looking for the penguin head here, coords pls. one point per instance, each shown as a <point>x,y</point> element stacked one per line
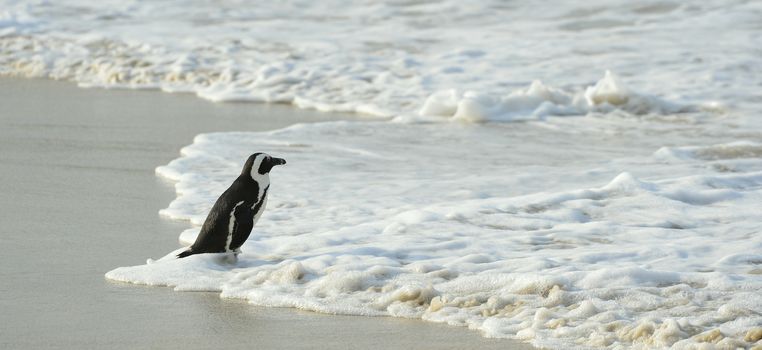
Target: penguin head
<point>259,164</point>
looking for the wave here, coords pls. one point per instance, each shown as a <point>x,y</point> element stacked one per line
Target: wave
<point>453,70</point>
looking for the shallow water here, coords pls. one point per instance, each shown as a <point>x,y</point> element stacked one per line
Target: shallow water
<point>563,174</point>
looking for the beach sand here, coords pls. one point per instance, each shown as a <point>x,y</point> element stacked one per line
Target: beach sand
<point>79,197</point>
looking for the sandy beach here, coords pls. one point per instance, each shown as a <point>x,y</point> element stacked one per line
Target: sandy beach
<point>80,197</point>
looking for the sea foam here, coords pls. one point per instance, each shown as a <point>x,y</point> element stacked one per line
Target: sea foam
<point>538,101</point>
<point>368,220</point>
<point>456,60</point>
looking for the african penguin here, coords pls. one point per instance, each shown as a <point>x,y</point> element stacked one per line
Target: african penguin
<point>232,217</point>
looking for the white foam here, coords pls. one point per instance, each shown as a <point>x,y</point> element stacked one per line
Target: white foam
<point>492,55</point>
<point>539,100</point>
<point>366,219</point>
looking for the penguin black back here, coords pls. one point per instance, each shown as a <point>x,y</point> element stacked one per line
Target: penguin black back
<point>237,210</point>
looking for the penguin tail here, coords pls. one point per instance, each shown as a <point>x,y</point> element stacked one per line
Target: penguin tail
<point>185,253</point>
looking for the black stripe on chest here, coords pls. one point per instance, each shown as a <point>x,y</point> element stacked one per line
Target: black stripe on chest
<point>258,206</point>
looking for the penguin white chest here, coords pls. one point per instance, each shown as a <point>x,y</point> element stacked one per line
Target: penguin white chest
<point>261,209</point>
<point>259,206</point>
<point>263,184</point>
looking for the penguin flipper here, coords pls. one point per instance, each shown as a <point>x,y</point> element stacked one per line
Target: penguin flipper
<point>185,253</point>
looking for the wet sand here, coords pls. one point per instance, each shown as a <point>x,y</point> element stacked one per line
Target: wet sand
<point>79,197</point>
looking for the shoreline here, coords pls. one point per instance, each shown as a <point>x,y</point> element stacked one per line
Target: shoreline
<point>83,199</point>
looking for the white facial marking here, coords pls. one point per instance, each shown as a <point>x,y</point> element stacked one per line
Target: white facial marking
<point>257,163</point>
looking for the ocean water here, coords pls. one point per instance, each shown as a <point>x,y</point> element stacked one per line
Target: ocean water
<point>574,176</point>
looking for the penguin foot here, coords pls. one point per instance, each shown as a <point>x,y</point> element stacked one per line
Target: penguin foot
<point>230,259</point>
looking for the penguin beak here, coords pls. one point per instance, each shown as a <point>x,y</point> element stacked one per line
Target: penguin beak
<point>278,161</point>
